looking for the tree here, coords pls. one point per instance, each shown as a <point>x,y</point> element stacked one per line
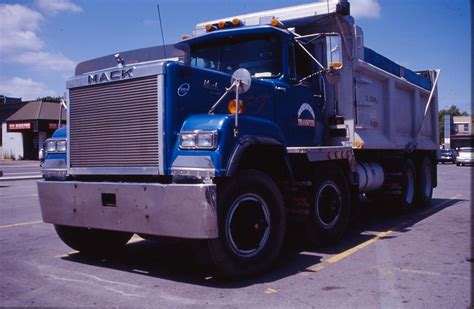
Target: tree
<point>453,110</point>
<point>49,99</point>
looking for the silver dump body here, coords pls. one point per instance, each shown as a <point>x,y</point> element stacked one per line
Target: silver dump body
<point>383,103</point>
<point>390,107</point>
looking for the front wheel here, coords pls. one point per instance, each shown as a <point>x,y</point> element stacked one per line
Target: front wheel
<point>251,218</point>
<point>92,241</point>
<point>330,207</point>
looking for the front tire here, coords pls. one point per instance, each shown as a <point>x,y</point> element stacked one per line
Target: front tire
<point>251,218</point>
<point>330,207</point>
<point>92,241</point>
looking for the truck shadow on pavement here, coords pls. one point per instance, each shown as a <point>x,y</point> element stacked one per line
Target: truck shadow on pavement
<point>173,260</point>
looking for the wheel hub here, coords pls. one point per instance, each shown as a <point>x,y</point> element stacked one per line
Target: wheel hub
<point>248,225</point>
<point>328,205</point>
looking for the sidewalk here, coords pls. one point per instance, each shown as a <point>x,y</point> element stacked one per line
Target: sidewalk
<point>19,170</point>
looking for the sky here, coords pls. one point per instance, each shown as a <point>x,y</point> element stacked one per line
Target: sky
<point>41,41</point>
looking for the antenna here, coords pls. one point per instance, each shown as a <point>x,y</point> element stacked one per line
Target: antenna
<point>161,27</point>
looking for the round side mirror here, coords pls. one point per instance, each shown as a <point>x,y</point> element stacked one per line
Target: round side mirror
<point>245,79</point>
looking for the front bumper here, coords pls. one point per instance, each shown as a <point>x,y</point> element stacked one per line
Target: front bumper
<point>175,210</point>
<point>464,160</point>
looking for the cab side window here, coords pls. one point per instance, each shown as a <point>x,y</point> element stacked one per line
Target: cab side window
<point>303,63</point>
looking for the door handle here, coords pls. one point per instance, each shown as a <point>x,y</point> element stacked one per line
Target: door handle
<point>280,89</point>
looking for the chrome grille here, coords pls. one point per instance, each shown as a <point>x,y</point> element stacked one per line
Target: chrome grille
<point>114,125</point>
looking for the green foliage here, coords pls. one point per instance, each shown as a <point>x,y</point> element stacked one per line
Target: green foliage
<point>453,110</point>
<point>49,99</point>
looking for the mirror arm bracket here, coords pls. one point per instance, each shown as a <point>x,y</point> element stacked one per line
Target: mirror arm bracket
<point>227,91</point>
<point>309,54</point>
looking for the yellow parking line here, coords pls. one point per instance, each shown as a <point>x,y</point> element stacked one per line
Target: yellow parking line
<point>135,239</point>
<point>65,254</point>
<point>270,291</point>
<point>348,252</point>
<point>19,224</point>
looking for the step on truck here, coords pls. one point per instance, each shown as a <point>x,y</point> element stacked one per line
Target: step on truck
<point>227,135</point>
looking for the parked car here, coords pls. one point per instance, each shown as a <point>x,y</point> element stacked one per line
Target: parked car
<point>447,155</point>
<point>465,156</point>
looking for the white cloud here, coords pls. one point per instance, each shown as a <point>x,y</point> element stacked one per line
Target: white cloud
<point>27,89</point>
<point>45,61</point>
<point>18,26</point>
<point>365,8</point>
<point>53,7</point>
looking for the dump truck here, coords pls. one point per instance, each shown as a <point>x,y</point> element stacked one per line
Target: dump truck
<point>226,136</point>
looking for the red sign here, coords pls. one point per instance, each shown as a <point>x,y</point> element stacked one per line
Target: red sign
<point>52,125</point>
<point>20,126</point>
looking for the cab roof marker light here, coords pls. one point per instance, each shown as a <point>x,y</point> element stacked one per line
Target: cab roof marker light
<point>211,27</point>
<point>284,14</point>
<point>276,23</point>
<point>237,22</point>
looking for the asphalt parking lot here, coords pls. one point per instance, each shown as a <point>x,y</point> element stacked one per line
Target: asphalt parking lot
<point>419,259</point>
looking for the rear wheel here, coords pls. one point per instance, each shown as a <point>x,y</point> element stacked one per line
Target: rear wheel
<point>252,225</point>
<point>424,184</point>
<point>330,207</point>
<point>92,241</point>
<point>406,199</point>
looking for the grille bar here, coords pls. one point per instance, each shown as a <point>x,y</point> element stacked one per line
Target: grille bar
<point>115,125</point>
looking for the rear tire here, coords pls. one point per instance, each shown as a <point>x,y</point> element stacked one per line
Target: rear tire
<point>92,241</point>
<point>406,200</point>
<point>252,222</point>
<point>330,207</point>
<point>424,183</point>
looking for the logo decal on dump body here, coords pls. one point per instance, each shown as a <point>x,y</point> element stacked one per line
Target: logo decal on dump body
<point>183,89</point>
<point>306,117</point>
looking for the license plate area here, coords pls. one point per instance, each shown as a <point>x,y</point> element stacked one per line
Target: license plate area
<point>109,200</point>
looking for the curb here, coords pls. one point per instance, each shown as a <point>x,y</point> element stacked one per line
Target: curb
<point>20,178</point>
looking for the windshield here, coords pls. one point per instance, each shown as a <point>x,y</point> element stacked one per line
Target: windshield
<point>260,55</point>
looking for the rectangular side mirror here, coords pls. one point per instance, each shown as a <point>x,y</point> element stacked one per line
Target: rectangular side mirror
<point>334,51</point>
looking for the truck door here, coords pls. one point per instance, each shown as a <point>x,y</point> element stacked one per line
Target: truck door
<point>299,104</point>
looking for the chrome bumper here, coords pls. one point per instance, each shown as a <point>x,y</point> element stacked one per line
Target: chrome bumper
<point>176,210</point>
<point>464,160</point>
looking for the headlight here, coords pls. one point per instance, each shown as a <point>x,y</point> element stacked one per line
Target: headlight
<point>187,140</point>
<point>198,140</point>
<point>61,146</point>
<point>51,146</point>
<point>56,145</point>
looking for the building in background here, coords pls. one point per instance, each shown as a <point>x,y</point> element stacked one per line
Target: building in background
<point>10,143</point>
<point>27,126</point>
<point>463,132</point>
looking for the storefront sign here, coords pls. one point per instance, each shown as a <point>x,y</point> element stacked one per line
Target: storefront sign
<point>52,125</point>
<point>20,126</point>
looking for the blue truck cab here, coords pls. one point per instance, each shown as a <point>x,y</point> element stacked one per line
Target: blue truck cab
<point>225,136</point>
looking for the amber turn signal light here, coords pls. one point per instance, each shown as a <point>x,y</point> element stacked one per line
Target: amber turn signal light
<point>231,107</point>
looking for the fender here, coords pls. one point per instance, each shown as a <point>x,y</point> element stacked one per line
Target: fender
<point>224,159</point>
<point>247,142</point>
